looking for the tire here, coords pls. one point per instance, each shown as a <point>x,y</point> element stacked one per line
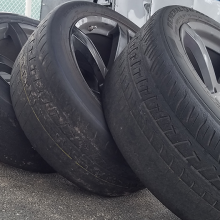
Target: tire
<point>15,148</point>
<point>160,121</point>
<point>59,113</point>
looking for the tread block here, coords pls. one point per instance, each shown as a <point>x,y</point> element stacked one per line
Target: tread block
<point>185,148</point>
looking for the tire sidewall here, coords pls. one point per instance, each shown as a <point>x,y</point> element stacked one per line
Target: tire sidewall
<point>63,19</point>
<point>74,137</point>
<point>8,17</point>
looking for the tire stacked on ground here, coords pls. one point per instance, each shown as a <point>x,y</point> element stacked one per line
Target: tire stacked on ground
<point>59,113</point>
<point>162,117</point>
<point>15,149</point>
<point>157,112</point>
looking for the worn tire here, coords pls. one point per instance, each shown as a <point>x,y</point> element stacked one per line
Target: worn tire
<point>15,148</point>
<point>166,132</point>
<point>59,113</point>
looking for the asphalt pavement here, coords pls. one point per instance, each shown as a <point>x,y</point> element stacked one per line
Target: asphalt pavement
<point>25,195</point>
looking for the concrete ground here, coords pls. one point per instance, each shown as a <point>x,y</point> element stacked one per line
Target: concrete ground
<point>25,195</point>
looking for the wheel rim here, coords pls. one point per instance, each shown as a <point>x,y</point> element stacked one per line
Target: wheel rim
<point>201,44</point>
<point>19,34</point>
<point>92,66</point>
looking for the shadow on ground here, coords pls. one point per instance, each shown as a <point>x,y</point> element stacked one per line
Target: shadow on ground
<point>25,195</point>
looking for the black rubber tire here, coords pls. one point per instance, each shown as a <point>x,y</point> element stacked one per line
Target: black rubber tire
<point>59,113</point>
<point>164,129</point>
<point>15,148</point>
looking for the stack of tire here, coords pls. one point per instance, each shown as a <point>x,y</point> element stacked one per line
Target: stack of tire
<point>157,110</point>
